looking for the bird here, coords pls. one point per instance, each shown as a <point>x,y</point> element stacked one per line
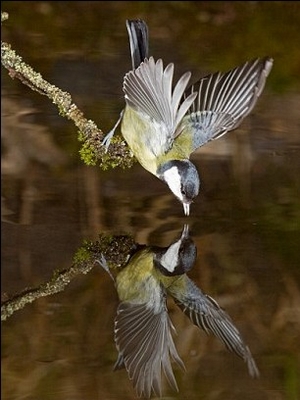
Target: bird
<point>143,328</point>
<point>163,123</point>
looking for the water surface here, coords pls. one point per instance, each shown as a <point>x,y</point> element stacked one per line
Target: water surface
<point>245,222</point>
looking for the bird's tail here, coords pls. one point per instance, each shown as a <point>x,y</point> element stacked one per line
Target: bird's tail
<point>138,41</point>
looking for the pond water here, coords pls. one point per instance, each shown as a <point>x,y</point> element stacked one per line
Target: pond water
<point>245,223</point>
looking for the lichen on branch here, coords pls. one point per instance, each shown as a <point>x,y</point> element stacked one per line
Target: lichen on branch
<point>115,249</point>
<point>92,151</point>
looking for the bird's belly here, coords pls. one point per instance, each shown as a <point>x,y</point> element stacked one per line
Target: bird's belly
<point>136,135</point>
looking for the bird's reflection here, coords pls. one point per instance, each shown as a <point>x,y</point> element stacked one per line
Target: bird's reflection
<point>143,329</point>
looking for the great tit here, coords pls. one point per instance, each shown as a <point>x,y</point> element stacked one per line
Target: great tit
<point>143,329</point>
<point>164,125</point>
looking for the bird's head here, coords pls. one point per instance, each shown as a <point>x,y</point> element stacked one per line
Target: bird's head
<point>183,180</point>
<point>178,258</point>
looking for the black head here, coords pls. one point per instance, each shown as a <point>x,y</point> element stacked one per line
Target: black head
<point>178,258</point>
<point>182,178</point>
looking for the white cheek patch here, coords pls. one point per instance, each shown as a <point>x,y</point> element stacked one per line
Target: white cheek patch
<point>170,259</point>
<point>173,180</point>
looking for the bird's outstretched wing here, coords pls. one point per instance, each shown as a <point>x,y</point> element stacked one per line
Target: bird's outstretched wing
<point>146,348</point>
<point>224,100</point>
<point>205,313</point>
<point>148,91</point>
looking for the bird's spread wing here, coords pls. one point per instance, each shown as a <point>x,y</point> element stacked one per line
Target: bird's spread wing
<point>148,91</point>
<point>146,348</point>
<point>205,313</point>
<point>224,100</point>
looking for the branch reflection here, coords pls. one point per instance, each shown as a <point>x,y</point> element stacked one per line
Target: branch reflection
<point>143,328</point>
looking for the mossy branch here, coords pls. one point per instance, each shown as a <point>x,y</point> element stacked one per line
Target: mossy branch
<point>115,249</point>
<point>92,152</point>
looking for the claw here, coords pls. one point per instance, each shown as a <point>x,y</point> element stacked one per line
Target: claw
<point>103,263</point>
<point>106,141</point>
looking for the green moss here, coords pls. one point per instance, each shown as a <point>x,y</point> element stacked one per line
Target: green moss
<point>87,154</point>
<point>82,254</point>
<point>114,248</point>
<point>93,153</point>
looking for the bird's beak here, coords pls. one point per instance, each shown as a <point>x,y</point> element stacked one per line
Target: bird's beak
<point>186,208</point>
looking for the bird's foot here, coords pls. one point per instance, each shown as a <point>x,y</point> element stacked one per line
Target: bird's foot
<point>103,263</point>
<point>106,141</point>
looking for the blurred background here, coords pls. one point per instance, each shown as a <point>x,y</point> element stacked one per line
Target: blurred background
<point>245,221</point>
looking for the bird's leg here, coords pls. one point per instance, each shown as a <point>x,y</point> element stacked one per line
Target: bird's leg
<point>104,265</point>
<point>106,141</point>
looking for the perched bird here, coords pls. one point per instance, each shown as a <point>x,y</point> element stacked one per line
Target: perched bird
<point>143,328</point>
<point>163,125</point>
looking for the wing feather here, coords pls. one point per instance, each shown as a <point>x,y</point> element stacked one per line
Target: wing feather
<point>224,100</point>
<point>146,347</point>
<point>205,313</point>
<point>148,91</point>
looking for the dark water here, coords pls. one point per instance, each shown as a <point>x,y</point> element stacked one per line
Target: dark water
<point>245,223</point>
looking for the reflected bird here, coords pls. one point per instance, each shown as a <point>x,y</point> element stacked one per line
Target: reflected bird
<point>163,125</point>
<point>143,329</point>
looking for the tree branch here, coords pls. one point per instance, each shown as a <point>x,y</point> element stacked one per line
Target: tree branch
<point>92,151</point>
<point>115,250</point>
